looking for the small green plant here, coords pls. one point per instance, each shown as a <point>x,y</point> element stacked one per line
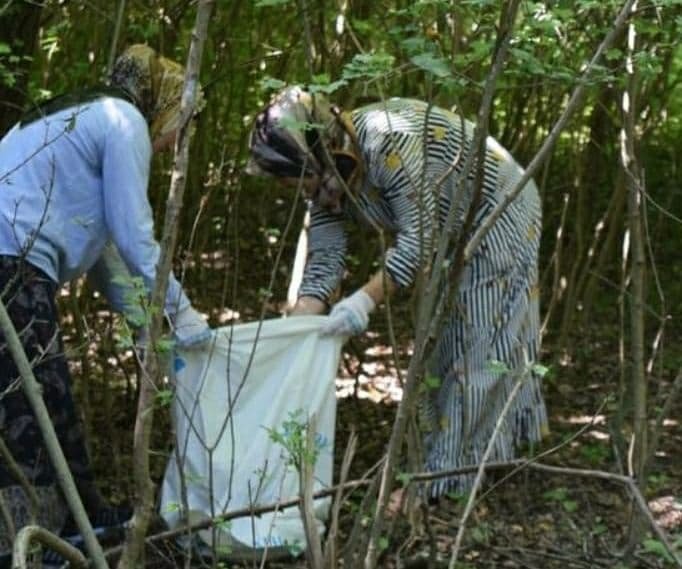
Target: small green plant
<point>498,367</point>
<point>599,526</point>
<point>594,453</point>
<point>293,437</point>
<point>173,507</point>
<point>657,481</point>
<point>458,497</point>
<point>560,496</point>
<point>295,548</point>
<point>223,524</point>
<point>404,478</point>
<point>481,533</point>
<point>223,550</point>
<point>138,313</point>
<point>656,548</point>
<point>164,397</point>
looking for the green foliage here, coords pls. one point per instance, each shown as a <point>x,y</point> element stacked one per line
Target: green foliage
<point>7,76</point>
<point>432,382</point>
<point>498,367</point>
<point>172,507</point>
<point>293,437</point>
<point>223,524</point>
<point>404,478</point>
<point>657,481</point>
<point>323,84</point>
<point>599,526</point>
<point>292,124</point>
<point>270,3</point>
<point>540,370</point>
<point>438,66</point>
<point>369,66</point>
<point>164,397</point>
<point>268,83</point>
<point>295,548</point>
<point>481,533</point>
<point>458,497</point>
<point>595,453</point>
<point>223,550</point>
<point>658,549</point>
<point>560,495</point>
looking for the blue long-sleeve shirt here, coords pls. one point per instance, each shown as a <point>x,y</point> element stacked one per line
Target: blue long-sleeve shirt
<point>74,181</point>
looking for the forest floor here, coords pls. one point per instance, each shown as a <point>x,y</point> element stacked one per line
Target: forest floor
<point>521,519</point>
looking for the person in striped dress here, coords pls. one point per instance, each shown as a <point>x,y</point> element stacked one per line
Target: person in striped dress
<point>397,165</point>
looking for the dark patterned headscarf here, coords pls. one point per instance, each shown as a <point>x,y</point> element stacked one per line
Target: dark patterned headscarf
<point>288,140</point>
<point>155,84</point>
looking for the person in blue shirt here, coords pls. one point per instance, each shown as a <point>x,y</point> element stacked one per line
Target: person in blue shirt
<point>73,201</point>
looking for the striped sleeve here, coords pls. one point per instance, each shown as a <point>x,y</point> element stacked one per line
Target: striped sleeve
<point>400,172</point>
<point>325,262</point>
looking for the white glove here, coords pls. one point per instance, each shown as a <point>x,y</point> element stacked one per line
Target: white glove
<point>190,329</point>
<point>350,316</point>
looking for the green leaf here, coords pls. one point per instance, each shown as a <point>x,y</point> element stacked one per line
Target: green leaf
<point>480,534</point>
<point>5,48</point>
<point>327,88</point>
<point>496,366</point>
<point>432,382</point>
<point>224,525</point>
<point>322,78</point>
<point>657,548</point>
<point>292,124</point>
<point>268,3</point>
<point>539,369</point>
<point>164,397</point>
<point>599,529</point>
<point>557,495</point>
<point>223,549</point>
<point>368,66</point>
<point>164,345</point>
<point>271,84</point>
<point>295,548</point>
<point>172,507</point>
<point>570,505</point>
<point>383,543</point>
<point>438,66</point>
<point>459,497</point>
<point>404,478</point>
<point>613,54</point>
<point>412,45</point>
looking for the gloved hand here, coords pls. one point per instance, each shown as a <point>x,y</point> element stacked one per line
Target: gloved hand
<point>350,316</point>
<point>190,329</point>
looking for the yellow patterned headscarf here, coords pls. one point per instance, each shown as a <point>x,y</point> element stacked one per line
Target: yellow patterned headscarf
<point>155,83</point>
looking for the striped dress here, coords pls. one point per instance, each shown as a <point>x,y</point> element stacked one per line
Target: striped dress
<point>413,155</point>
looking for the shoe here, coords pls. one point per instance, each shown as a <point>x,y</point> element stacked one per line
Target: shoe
<point>108,524</point>
<point>103,520</point>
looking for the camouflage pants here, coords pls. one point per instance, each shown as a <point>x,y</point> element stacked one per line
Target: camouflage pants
<point>29,296</point>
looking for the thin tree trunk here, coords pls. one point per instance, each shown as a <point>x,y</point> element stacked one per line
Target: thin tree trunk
<point>150,378</point>
<point>32,390</point>
<point>638,377</point>
<point>113,48</point>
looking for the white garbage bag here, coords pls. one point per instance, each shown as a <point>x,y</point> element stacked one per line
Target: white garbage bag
<point>257,379</point>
